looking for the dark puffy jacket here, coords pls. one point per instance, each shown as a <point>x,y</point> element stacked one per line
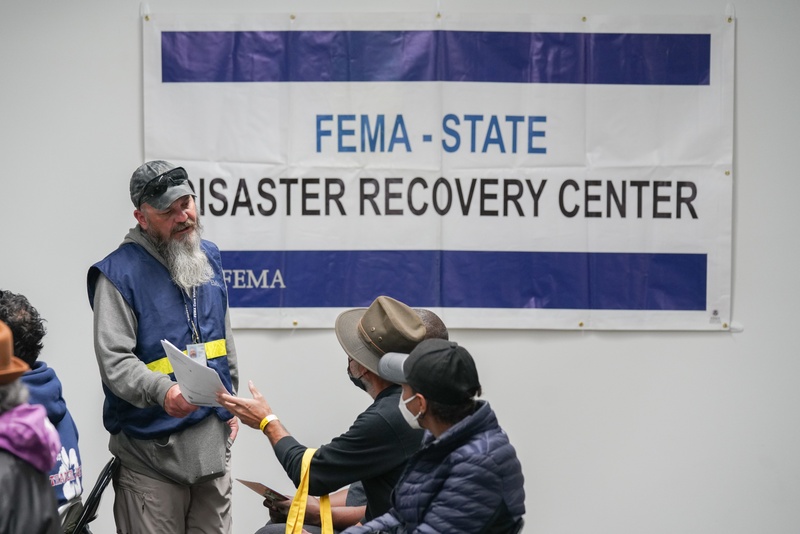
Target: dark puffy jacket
<point>469,480</point>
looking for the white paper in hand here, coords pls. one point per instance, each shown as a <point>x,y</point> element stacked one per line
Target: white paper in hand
<point>199,384</point>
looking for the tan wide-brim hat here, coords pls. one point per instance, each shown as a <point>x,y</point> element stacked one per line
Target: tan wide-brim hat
<point>387,325</point>
<point>11,367</point>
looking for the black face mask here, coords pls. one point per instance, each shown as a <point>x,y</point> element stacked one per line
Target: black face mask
<point>356,381</point>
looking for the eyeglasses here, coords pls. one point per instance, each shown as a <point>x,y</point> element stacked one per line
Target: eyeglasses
<point>158,185</point>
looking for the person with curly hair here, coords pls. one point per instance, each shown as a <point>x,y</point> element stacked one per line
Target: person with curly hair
<point>45,389</point>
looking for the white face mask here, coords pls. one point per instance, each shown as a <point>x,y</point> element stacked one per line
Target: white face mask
<point>411,419</point>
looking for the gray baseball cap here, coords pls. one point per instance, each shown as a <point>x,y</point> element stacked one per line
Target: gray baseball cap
<point>441,370</point>
<point>159,183</point>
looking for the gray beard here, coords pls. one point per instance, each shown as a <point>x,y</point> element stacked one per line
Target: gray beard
<point>187,263</point>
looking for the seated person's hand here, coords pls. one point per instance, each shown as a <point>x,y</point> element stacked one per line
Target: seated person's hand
<point>279,510</point>
<point>277,513</point>
<point>250,411</point>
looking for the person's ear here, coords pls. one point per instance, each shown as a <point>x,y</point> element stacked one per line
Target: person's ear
<point>140,218</point>
<point>358,369</point>
<point>423,404</point>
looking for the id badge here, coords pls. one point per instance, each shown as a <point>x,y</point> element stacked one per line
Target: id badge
<point>197,352</point>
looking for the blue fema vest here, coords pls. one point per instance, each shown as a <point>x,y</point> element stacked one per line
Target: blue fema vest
<point>160,308</point>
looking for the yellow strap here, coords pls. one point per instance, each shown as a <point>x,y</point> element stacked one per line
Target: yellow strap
<point>214,349</point>
<point>297,511</point>
<point>325,514</point>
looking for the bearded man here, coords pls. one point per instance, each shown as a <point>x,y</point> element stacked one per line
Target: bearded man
<point>164,282</point>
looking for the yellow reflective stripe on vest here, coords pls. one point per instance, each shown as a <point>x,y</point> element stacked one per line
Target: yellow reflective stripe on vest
<point>214,349</point>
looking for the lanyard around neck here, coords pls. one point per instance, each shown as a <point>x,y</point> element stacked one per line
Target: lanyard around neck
<point>192,319</point>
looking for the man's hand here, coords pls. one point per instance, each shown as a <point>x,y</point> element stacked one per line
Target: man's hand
<point>175,405</point>
<point>250,411</point>
<point>233,422</point>
<point>278,510</point>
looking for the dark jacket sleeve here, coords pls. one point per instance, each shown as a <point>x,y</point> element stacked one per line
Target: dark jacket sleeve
<point>366,450</point>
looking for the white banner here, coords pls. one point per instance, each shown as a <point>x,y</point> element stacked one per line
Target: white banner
<point>506,171</point>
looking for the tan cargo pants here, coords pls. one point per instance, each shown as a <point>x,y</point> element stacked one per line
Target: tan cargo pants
<point>144,505</point>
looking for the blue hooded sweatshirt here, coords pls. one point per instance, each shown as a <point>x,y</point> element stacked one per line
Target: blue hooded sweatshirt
<point>45,389</point>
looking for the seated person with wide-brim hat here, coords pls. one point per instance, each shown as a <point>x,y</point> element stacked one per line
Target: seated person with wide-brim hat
<point>376,447</point>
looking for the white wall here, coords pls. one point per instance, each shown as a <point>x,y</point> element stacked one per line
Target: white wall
<point>622,433</point>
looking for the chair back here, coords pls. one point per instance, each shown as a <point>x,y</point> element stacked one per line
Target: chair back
<point>93,500</point>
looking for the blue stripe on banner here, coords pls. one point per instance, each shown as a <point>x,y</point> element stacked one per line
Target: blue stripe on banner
<point>463,279</point>
<point>424,56</point>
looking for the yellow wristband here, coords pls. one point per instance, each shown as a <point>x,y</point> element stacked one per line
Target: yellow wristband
<point>267,420</point>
